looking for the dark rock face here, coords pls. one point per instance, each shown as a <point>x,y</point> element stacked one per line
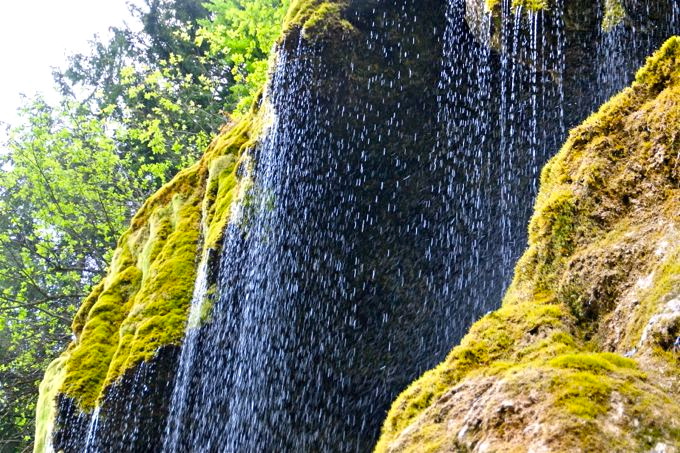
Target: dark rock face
<point>131,417</point>
<point>595,61</point>
<point>651,16</point>
<point>389,205</point>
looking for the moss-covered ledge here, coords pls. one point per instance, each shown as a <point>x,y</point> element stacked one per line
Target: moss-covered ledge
<point>613,11</point>
<point>142,304</point>
<point>318,18</point>
<point>580,357</point>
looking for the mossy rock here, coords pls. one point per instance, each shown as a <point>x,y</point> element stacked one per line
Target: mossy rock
<point>317,19</point>
<point>580,355</point>
<point>142,304</point>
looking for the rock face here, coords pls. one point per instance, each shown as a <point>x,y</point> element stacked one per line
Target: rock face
<point>581,355</point>
<point>346,181</point>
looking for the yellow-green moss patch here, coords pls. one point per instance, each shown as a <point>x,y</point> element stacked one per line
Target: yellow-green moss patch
<point>614,14</point>
<point>46,408</point>
<point>318,18</point>
<point>142,305</point>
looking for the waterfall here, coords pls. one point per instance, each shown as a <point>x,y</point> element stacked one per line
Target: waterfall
<point>381,213</point>
<point>92,431</point>
<point>319,320</point>
<point>229,353</point>
<point>623,49</point>
<point>182,382</point>
<point>307,342</point>
<point>502,110</point>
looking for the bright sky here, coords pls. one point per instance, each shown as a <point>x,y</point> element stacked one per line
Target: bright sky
<point>36,35</point>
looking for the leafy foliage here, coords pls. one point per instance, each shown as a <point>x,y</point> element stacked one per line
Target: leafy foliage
<point>64,198</point>
<point>161,92</point>
<point>243,32</point>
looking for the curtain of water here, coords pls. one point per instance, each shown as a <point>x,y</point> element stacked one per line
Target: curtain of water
<point>357,261</point>
<point>385,215</point>
<point>178,403</point>
<point>530,119</point>
<point>330,280</point>
<point>241,385</point>
<point>463,152</point>
<point>502,111</point>
<point>123,423</point>
<point>92,431</point>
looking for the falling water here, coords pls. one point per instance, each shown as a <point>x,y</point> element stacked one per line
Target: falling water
<point>182,384</point>
<point>241,317</point>
<point>332,270</point>
<point>356,263</point>
<point>622,49</point>
<point>502,112</point>
<point>530,121</point>
<point>124,420</point>
<point>383,211</point>
<point>308,340</point>
<point>92,431</point>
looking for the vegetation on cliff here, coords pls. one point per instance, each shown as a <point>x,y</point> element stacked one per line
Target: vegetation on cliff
<point>134,110</point>
<point>614,11</point>
<point>142,304</point>
<point>581,353</point>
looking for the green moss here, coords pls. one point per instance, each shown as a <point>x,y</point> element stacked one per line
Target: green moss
<point>614,14</point>
<point>660,71</point>
<point>85,307</point>
<point>554,226</point>
<point>583,394</point>
<point>87,363</point>
<point>160,307</point>
<point>318,19</point>
<point>594,362</point>
<point>530,5</point>
<point>585,386</point>
<point>229,177</point>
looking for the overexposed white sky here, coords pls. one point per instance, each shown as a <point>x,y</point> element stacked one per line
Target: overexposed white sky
<point>36,35</point>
